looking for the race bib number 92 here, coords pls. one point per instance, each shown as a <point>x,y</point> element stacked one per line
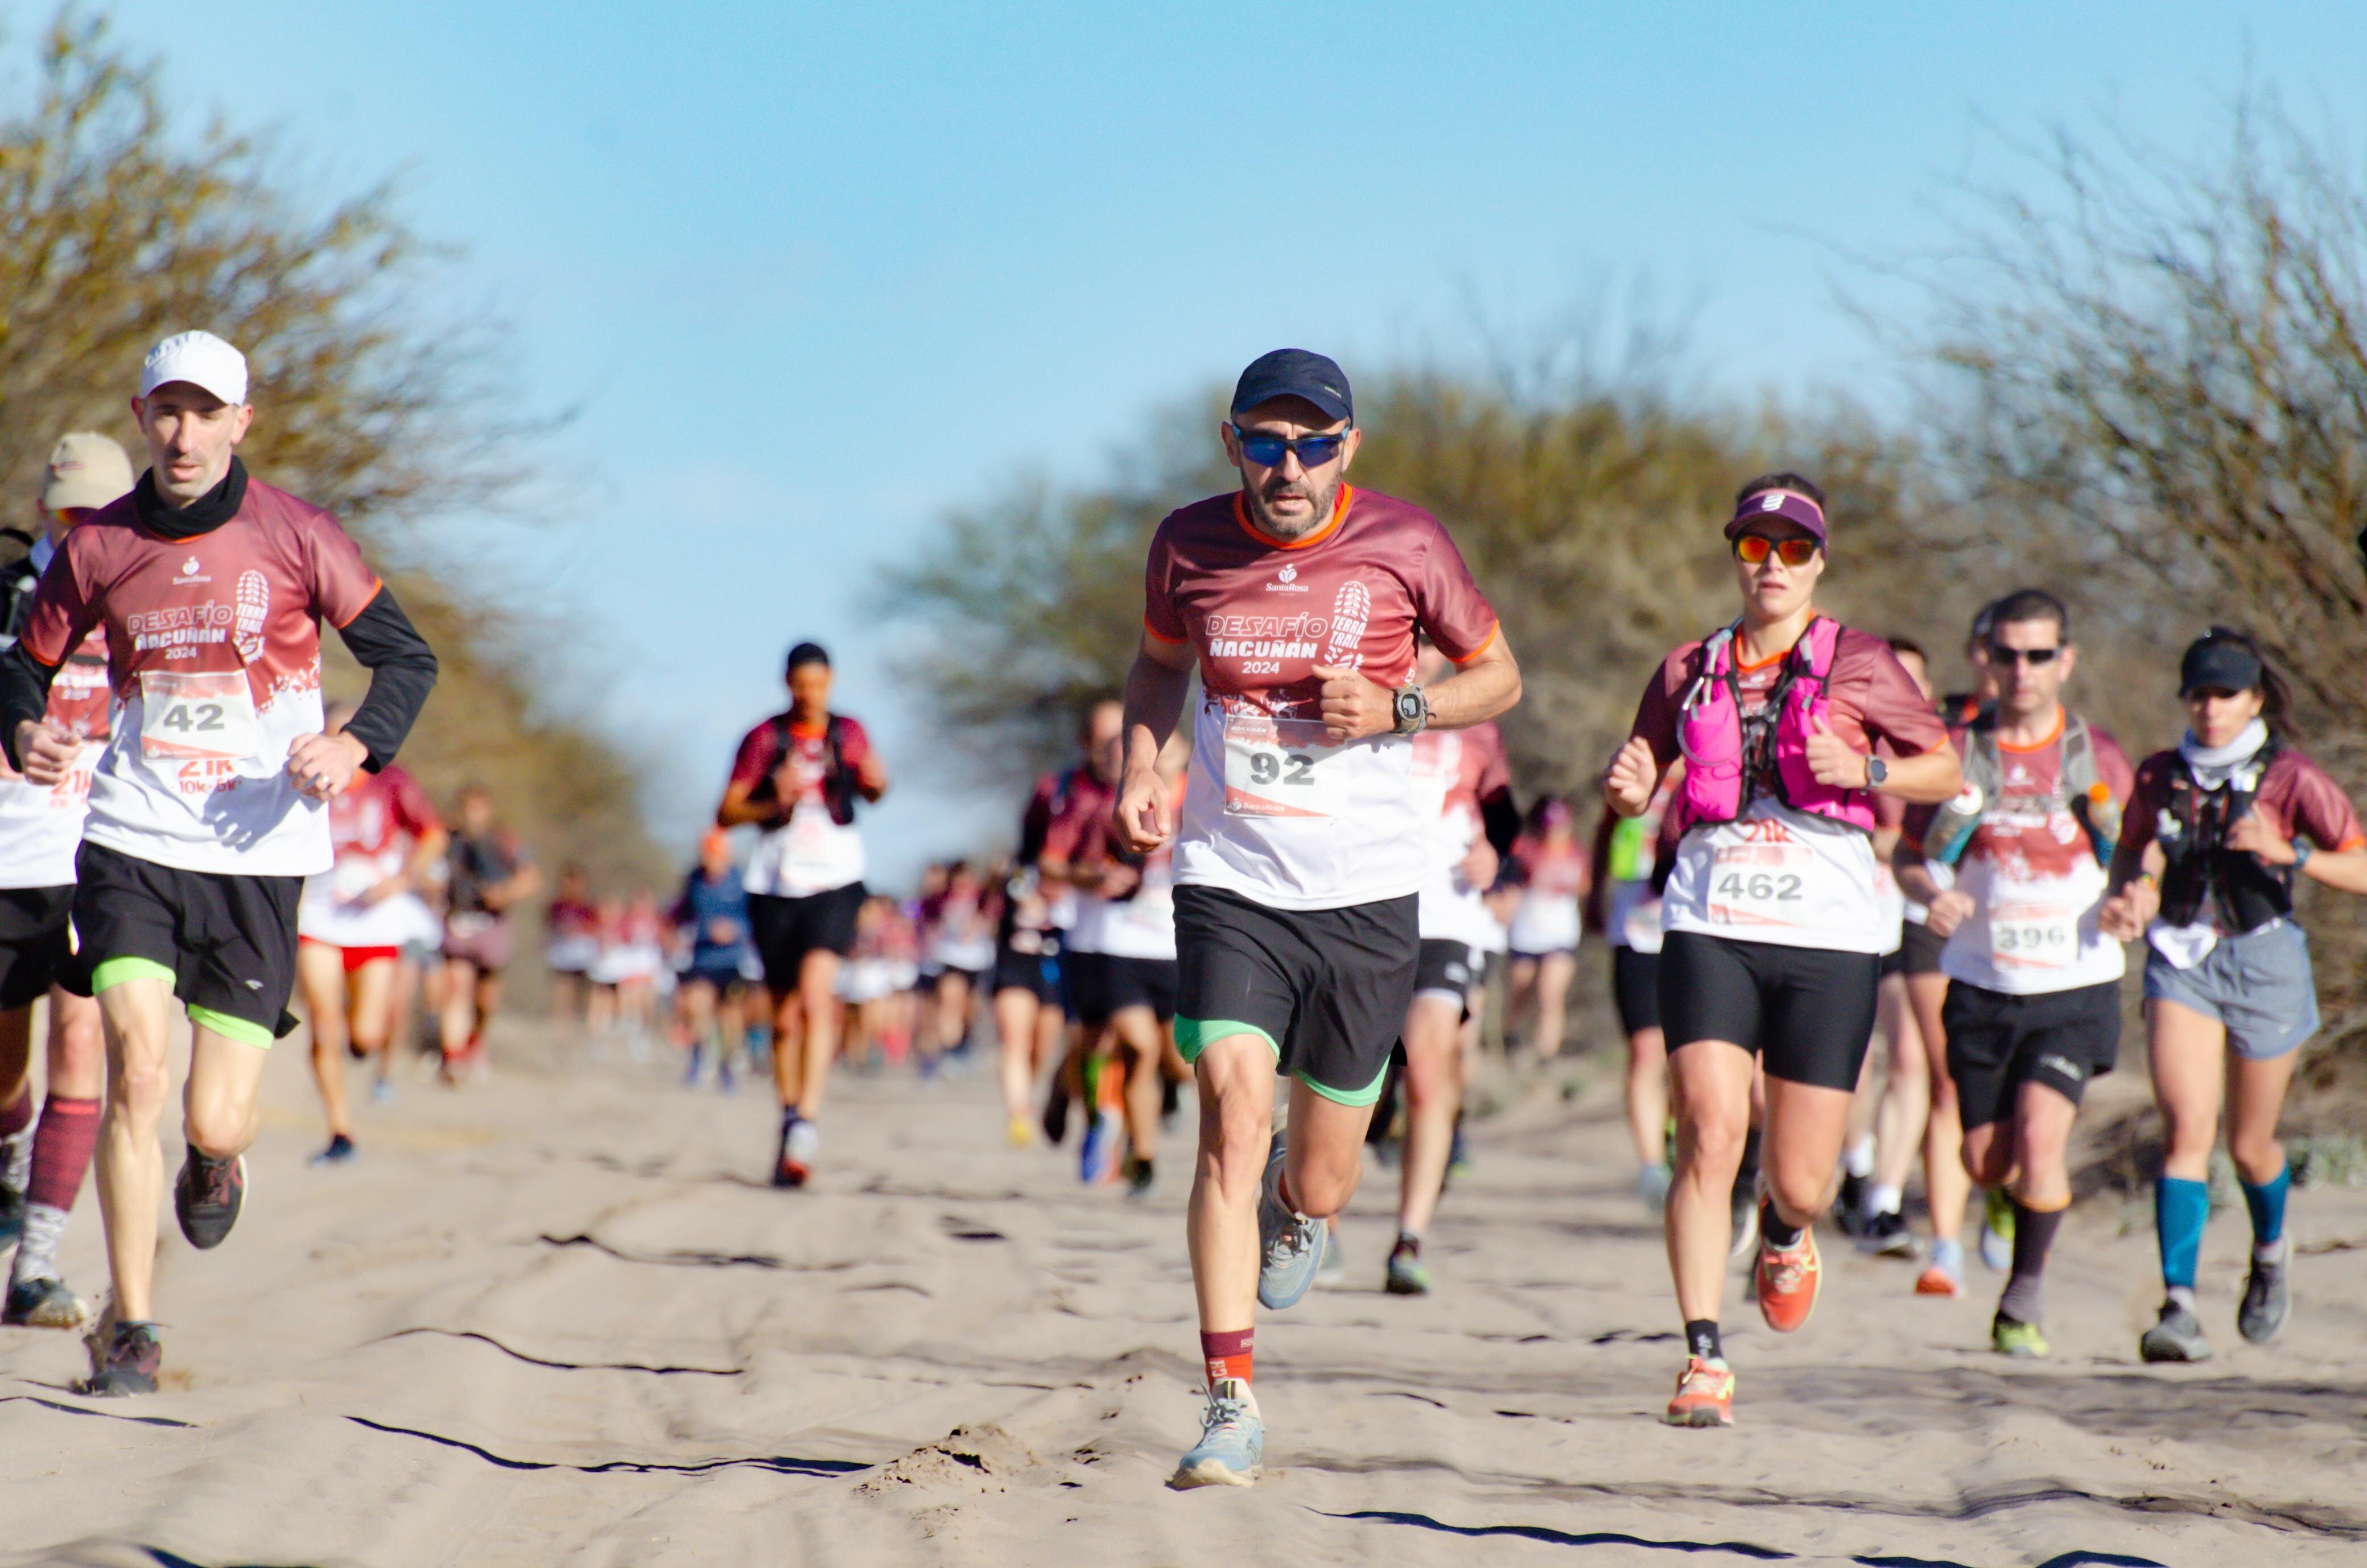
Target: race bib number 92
<point>1276,767</point>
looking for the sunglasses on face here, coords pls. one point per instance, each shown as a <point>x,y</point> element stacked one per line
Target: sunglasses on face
<point>1266,451</point>
<point>2032,655</point>
<point>1751,549</point>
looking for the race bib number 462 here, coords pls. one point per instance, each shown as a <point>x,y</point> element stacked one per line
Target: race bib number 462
<point>1277,767</point>
<point>1761,885</point>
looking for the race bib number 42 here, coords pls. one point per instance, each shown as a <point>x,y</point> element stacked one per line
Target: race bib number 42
<point>1278,767</point>
<point>199,717</point>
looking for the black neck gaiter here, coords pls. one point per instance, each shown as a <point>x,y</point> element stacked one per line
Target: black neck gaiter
<point>203,515</point>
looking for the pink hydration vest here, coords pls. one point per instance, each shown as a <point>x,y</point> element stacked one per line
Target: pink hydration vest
<point>1710,732</point>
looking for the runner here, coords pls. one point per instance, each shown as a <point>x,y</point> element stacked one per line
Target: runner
<point>961,951</point>
<point>2034,1008</point>
<point>1028,1016</point>
<point>711,914</point>
<point>1301,847</point>
<point>43,1163</point>
<point>490,874</point>
<point>208,808</point>
<point>1550,866</point>
<point>2220,830</point>
<point>571,939</point>
<point>352,922</point>
<point>1462,785</point>
<point>1894,1118</point>
<point>797,776</point>
<point>1085,793</point>
<point>1623,904</point>
<point>1775,716</point>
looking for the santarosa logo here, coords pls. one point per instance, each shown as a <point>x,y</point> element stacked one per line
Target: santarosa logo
<point>1287,580</point>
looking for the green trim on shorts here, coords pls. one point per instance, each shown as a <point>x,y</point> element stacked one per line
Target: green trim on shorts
<point>247,1032</point>
<point>112,972</point>
<point>1193,1035</point>
<point>1368,1095</point>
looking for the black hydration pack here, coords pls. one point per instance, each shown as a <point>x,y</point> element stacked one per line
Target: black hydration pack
<point>2242,892</point>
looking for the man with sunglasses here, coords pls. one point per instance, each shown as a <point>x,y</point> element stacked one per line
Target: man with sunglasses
<point>1303,844</point>
<point>42,1164</point>
<point>2033,1004</point>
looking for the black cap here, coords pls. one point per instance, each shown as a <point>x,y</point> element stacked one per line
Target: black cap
<point>2218,664</point>
<point>1295,373</point>
<point>806,653</point>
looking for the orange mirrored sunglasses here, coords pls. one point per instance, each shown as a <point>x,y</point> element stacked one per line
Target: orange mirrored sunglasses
<point>1751,548</point>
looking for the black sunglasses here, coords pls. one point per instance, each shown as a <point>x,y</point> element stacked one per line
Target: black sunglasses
<point>2023,655</point>
<point>1266,451</point>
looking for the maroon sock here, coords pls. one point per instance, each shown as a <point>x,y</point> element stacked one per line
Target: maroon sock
<point>61,1147</point>
<point>15,1119</point>
<point>1226,1355</point>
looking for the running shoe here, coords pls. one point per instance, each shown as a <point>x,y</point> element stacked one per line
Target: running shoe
<point>1458,1155</point>
<point>2012,1336</point>
<point>1652,1187</point>
<point>1408,1275</point>
<point>698,1054</point>
<point>1886,1236</point>
<point>2177,1336</point>
<point>1097,1157</point>
<point>1140,1178</point>
<point>12,1215</point>
<point>1056,1116</point>
<point>340,1151</point>
<point>1941,1278</point>
<point>382,1093</point>
<point>800,1140</point>
<point>133,1354</point>
<point>1171,1100</point>
<point>1705,1394</point>
<point>1290,1246</point>
<point>1019,1132</point>
<point>1996,1231</point>
<point>2268,1298</point>
<point>1848,1209</point>
<point>207,1196</point>
<point>1231,1450</point>
<point>1334,1272</point>
<point>1746,1228</point>
<point>43,1303</point>
<point>1786,1281</point>
<point>727,1076</point>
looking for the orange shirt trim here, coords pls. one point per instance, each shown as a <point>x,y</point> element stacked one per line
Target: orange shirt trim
<point>1338,514</point>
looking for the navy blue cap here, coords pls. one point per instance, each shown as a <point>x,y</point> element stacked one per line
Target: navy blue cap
<point>1295,373</point>
<point>2218,664</point>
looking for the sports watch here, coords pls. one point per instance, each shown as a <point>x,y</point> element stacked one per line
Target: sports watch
<point>1876,770</point>
<point>1413,709</point>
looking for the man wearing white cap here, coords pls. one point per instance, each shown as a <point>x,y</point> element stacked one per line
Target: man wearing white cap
<point>43,1165</point>
<point>209,805</point>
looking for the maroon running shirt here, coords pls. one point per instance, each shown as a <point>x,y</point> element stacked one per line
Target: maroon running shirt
<point>214,652</point>
<point>1276,813</point>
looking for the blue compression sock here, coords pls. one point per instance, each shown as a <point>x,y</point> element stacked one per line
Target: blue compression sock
<point>2179,1209</point>
<point>2268,1205</point>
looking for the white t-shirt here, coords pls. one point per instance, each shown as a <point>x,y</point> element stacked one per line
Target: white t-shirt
<point>41,828</point>
<point>1777,875</point>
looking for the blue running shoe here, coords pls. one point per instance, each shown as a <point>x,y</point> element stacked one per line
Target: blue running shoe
<point>1098,1154</point>
<point>1290,1246</point>
<point>1231,1450</point>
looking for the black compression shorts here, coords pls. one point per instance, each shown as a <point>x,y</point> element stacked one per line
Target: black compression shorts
<point>1035,973</point>
<point>230,940</point>
<point>1919,952</point>
<point>1998,1043</point>
<point>1808,1012</point>
<point>1328,989</point>
<point>1446,969</point>
<point>1635,987</point>
<point>34,941</point>
<point>1106,984</point>
<point>786,930</point>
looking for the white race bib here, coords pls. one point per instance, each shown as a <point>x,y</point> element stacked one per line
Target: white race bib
<point>194,715</point>
<point>1277,767</point>
<point>2034,936</point>
<point>1761,884</point>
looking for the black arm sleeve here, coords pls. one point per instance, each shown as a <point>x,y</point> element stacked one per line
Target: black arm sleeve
<point>1500,820</point>
<point>403,671</point>
<point>24,694</point>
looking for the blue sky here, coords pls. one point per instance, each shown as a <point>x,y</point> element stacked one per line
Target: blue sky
<point>815,275</point>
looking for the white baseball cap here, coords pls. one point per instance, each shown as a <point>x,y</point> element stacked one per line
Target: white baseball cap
<point>200,359</point>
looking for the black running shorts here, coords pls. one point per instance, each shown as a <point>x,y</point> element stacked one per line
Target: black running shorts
<point>1998,1043</point>
<point>1446,969</point>
<point>1635,987</point>
<point>786,930</point>
<point>1808,1012</point>
<point>1328,989</point>
<point>1031,972</point>
<point>230,940</point>
<point>1105,983</point>
<point>34,941</point>
<point>1919,952</point>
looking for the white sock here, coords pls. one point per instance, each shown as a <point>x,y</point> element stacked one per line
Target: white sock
<point>1883,1200</point>
<point>2272,1252</point>
<point>17,1158</point>
<point>1858,1158</point>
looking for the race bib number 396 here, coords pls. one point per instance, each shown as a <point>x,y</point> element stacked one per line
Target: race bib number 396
<point>1276,767</point>
<point>2034,936</point>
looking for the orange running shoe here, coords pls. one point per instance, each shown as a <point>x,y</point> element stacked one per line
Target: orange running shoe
<point>1705,1394</point>
<point>1938,1281</point>
<point>1786,1282</point>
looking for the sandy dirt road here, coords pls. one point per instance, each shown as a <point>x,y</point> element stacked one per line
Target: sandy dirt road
<point>557,1320</point>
